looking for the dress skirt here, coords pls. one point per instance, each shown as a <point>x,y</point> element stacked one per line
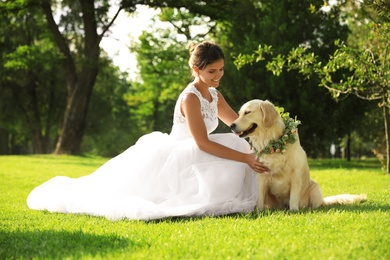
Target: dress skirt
<point>157,177</point>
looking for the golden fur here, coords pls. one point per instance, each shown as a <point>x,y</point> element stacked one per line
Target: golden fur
<point>288,184</point>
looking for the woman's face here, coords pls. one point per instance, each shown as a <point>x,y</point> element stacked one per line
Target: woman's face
<point>212,73</point>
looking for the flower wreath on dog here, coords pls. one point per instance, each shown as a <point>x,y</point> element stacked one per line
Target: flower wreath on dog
<point>289,136</point>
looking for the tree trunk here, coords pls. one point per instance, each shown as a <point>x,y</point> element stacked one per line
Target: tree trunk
<point>385,120</point>
<point>4,142</point>
<point>80,82</point>
<point>34,117</point>
<point>348,148</point>
<point>72,131</point>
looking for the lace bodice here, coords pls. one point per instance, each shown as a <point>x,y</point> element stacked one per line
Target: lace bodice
<point>209,112</point>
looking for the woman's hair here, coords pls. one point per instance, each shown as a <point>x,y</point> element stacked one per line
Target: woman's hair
<point>204,53</point>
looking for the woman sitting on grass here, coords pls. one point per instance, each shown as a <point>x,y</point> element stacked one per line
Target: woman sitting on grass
<point>189,172</point>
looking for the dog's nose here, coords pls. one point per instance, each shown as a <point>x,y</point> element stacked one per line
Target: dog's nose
<point>233,126</point>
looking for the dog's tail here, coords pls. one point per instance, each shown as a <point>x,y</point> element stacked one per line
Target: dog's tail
<point>344,199</point>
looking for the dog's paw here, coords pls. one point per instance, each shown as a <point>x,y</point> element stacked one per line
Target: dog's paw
<point>294,209</point>
<point>260,208</point>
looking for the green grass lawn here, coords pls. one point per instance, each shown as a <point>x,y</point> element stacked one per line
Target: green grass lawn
<point>341,232</point>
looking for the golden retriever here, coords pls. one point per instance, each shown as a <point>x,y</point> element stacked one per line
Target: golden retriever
<point>288,184</point>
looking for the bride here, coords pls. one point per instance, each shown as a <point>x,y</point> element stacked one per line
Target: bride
<point>189,172</point>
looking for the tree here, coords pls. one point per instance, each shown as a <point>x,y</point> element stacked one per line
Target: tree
<point>241,28</point>
<point>76,28</point>
<point>78,34</point>
<point>162,57</point>
<point>363,70</point>
<point>255,23</point>
<point>80,25</point>
<point>82,66</point>
<point>109,128</point>
<point>31,95</point>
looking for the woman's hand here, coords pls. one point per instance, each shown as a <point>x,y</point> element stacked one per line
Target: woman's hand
<point>255,164</point>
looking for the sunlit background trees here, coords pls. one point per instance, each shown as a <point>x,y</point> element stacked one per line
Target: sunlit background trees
<point>61,93</point>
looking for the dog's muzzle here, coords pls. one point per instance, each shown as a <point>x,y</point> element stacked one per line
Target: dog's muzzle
<point>244,133</point>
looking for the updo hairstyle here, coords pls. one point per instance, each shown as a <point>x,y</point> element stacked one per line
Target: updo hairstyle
<point>203,54</point>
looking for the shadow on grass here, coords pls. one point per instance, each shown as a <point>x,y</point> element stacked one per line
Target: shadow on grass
<point>363,207</point>
<point>51,244</point>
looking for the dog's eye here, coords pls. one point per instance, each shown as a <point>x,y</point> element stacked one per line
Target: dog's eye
<point>246,112</point>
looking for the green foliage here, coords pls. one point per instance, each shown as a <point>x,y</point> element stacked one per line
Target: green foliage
<point>361,69</point>
<point>28,55</point>
<point>33,85</point>
<point>186,24</point>
<point>109,129</point>
<point>163,75</point>
<point>32,100</point>
<point>364,67</point>
<point>339,232</point>
<point>264,25</point>
<point>162,58</point>
<point>365,75</point>
<point>258,31</point>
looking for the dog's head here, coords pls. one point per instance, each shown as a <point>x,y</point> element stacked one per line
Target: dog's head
<point>254,117</point>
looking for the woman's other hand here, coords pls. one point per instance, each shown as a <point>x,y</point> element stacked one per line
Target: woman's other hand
<point>256,165</point>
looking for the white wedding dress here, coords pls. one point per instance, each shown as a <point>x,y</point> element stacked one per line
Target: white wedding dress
<point>159,176</point>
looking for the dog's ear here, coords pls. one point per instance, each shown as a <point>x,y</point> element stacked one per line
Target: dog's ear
<point>270,114</point>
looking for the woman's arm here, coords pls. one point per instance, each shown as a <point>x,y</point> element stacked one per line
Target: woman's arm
<point>191,110</point>
<point>225,112</point>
